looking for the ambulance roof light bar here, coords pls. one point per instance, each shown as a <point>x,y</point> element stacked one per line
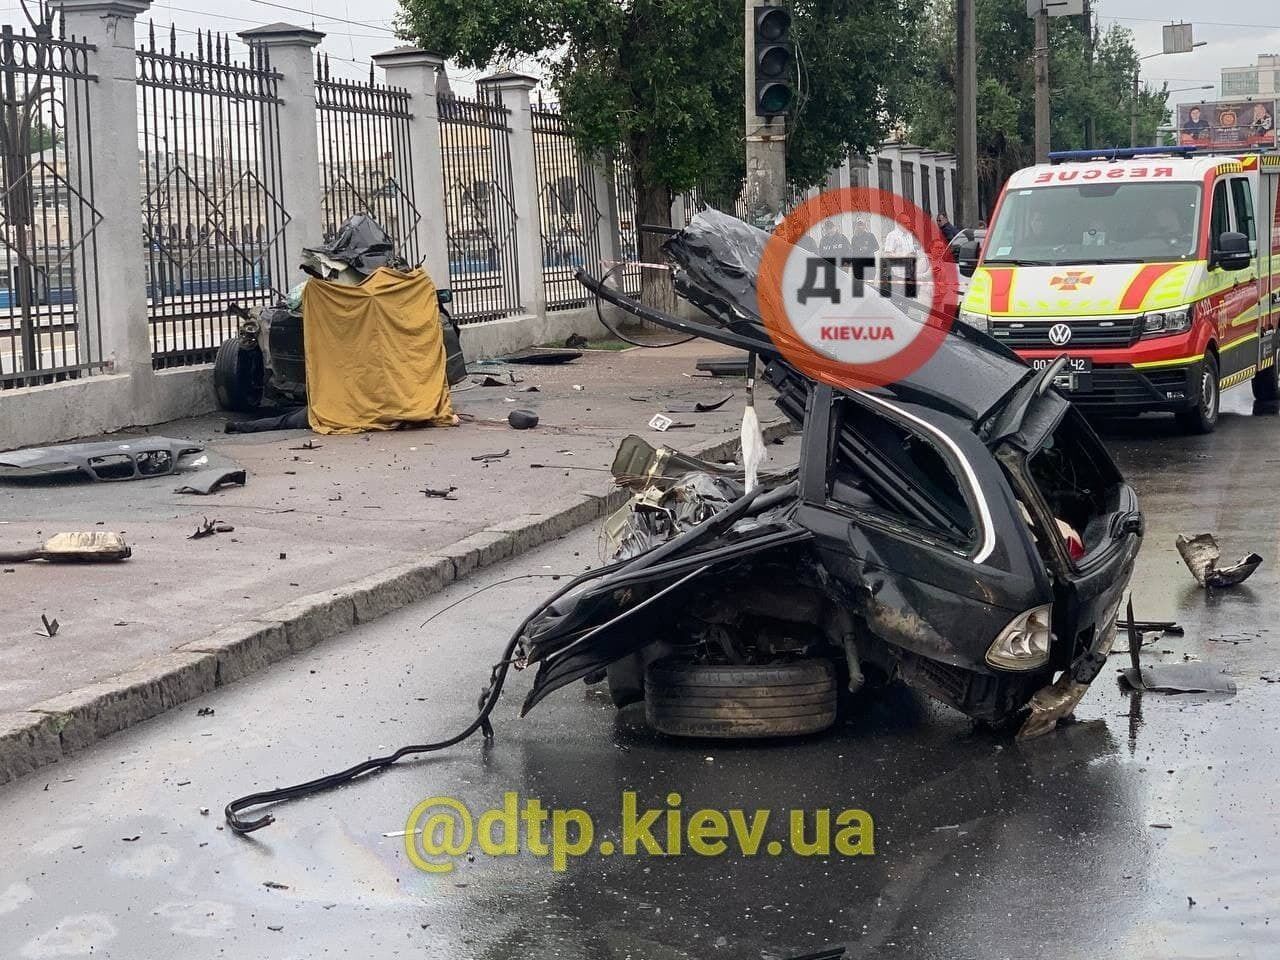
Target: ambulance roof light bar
<point>1119,153</point>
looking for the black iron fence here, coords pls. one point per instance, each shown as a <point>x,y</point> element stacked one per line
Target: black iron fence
<point>366,158</point>
<point>568,208</point>
<point>50,327</point>
<point>212,207</point>
<point>480,219</point>
<point>624,189</point>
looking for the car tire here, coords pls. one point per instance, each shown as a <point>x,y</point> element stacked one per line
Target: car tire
<point>238,376</point>
<point>1266,390</point>
<point>685,699</point>
<point>1203,416</point>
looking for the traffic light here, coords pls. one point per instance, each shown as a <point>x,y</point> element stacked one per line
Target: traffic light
<point>773,61</point>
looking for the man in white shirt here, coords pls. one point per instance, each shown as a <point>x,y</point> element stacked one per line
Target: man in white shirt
<point>899,242</point>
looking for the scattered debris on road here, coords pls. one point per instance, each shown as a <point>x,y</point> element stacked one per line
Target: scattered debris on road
<point>272,885</point>
<point>205,712</point>
<point>697,406</point>
<point>1192,677</point>
<point>208,528</point>
<point>50,627</point>
<point>94,547</point>
<point>522,419</point>
<point>104,461</point>
<point>1201,552</point>
<point>542,357</point>
<point>445,494</point>
<point>486,457</point>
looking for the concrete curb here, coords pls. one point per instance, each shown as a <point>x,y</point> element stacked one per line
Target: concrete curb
<point>54,728</point>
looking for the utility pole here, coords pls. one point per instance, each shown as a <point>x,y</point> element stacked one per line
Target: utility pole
<point>1090,124</point>
<point>966,212</point>
<point>1133,110</point>
<point>1042,84</point>
<point>766,139</point>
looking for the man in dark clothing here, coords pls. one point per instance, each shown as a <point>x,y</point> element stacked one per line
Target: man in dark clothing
<point>863,243</point>
<point>833,244</point>
<point>949,229</point>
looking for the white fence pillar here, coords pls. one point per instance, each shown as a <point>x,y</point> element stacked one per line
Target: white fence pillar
<point>118,272</point>
<point>513,91</point>
<point>607,201</point>
<point>418,72</point>
<point>291,51</point>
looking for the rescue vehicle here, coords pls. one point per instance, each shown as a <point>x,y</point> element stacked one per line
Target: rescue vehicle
<point>1156,271</point>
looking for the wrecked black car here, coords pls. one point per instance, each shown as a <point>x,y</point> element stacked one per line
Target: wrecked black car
<point>963,530</point>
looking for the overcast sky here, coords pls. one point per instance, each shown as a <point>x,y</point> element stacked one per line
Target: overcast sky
<point>1235,33</point>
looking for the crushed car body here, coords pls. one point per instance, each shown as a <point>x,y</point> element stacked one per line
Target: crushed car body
<point>962,530</point>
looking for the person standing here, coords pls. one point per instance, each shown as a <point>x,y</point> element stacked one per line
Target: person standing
<point>899,242</point>
<point>863,241</point>
<point>833,244</point>
<point>949,230</point>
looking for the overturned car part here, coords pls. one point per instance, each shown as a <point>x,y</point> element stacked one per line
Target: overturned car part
<point>1200,553</point>
<point>103,461</point>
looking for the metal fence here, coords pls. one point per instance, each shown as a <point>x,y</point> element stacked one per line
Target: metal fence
<point>50,327</point>
<point>366,158</point>
<point>212,210</point>
<point>624,189</point>
<point>480,219</point>
<point>568,208</point>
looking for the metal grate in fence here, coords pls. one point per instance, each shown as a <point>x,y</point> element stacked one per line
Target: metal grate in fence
<point>568,208</point>
<point>624,188</point>
<point>366,158</point>
<point>212,207</point>
<point>480,219</point>
<point>50,327</point>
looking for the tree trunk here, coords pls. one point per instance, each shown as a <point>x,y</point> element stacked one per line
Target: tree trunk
<point>653,206</point>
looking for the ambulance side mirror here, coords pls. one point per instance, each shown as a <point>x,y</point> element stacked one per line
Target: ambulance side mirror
<point>1231,252</point>
<point>967,256</point>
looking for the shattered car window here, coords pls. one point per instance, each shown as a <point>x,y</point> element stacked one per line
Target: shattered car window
<point>1077,479</point>
<point>880,466</point>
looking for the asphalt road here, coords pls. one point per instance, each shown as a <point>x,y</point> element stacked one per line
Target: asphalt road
<point>1147,829</point>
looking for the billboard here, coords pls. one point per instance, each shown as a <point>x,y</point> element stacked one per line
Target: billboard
<point>1228,124</point>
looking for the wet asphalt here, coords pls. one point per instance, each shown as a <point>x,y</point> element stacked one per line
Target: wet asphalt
<point>1148,828</point>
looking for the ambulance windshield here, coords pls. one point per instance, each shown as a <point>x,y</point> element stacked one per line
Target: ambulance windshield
<point>1096,223</point>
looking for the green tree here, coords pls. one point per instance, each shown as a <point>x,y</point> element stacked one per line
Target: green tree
<point>664,79</point>
<point>1085,94</point>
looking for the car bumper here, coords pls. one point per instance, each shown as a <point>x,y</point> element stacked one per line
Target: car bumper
<point>1121,387</point>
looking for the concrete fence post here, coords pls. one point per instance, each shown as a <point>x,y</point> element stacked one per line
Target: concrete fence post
<point>291,51</point>
<point>118,272</point>
<point>418,72</point>
<point>607,202</point>
<point>512,90</point>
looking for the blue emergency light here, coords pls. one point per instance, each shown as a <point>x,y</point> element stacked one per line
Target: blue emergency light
<point>1120,153</point>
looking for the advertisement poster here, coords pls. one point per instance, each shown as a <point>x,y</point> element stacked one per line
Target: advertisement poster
<point>1228,124</point>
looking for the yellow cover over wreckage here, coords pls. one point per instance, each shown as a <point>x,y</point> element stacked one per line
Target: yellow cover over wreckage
<point>375,353</point>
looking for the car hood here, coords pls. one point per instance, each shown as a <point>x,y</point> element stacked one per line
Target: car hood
<point>718,260</point>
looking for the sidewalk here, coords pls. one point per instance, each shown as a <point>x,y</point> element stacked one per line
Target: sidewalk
<point>323,538</point>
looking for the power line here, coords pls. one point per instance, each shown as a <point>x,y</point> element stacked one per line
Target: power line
<point>227,16</point>
<point>325,18</point>
<point>1198,22</point>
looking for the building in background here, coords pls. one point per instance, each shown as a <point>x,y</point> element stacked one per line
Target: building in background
<point>1260,79</point>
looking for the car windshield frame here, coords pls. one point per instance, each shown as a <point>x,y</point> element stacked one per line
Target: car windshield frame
<point>1081,223</point>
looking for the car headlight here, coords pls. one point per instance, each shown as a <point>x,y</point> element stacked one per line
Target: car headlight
<point>979,321</point>
<point>1167,321</point>
<point>1024,643</point>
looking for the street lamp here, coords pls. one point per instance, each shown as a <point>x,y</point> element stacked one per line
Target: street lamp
<point>1133,99</point>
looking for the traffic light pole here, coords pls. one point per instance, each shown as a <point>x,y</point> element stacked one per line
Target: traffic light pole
<point>1042,85</point>
<point>766,142</point>
<point>966,212</point>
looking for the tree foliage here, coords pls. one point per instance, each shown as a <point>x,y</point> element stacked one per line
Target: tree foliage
<point>1082,91</point>
<point>665,77</point>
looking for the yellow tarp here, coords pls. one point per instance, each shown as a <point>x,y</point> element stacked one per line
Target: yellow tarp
<point>375,354</point>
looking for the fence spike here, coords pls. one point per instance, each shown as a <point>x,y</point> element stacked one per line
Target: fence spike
<point>226,48</point>
<point>371,73</point>
<point>199,43</point>
<point>173,39</point>
<point>151,35</point>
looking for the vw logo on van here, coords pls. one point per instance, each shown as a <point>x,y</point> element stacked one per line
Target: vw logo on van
<point>1059,334</point>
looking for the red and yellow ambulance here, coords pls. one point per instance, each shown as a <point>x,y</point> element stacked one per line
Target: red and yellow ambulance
<point>1156,271</point>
